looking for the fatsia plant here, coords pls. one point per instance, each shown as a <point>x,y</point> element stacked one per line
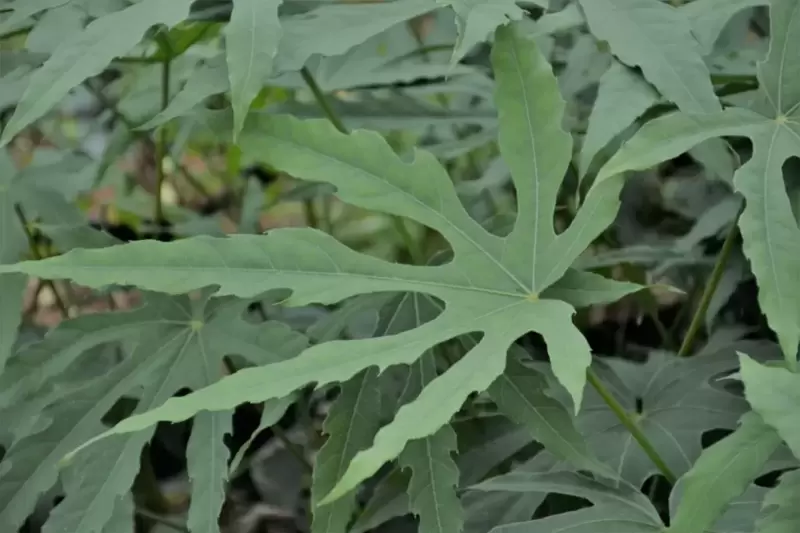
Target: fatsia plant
<point>497,288</point>
<point>53,409</point>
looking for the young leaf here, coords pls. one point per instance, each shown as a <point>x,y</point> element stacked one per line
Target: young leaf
<point>477,21</point>
<point>657,38</point>
<point>773,393</point>
<point>351,425</point>
<point>769,229</point>
<point>493,285</point>
<point>87,54</point>
<point>251,43</point>
<point>723,472</point>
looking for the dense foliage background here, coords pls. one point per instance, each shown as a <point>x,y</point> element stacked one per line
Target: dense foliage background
<point>416,265</point>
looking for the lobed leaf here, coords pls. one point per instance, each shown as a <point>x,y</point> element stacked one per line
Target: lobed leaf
<point>494,286</point>
<point>723,472</point>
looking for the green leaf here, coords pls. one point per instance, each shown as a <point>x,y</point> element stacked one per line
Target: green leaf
<point>12,290</point>
<point>620,509</point>
<point>477,21</point>
<point>769,230</point>
<point>493,285</point>
<point>271,413</point>
<point>521,394</point>
<point>207,462</point>
<point>183,347</point>
<point>122,519</point>
<point>621,98</point>
<point>709,17</point>
<point>722,472</point>
<point>87,54</point>
<point>389,500</point>
<point>351,425</point>
<point>251,43</point>
<point>773,393</point>
<point>674,401</point>
<point>331,30</point>
<point>781,513</point>
<point>22,10</point>
<point>434,474</point>
<point>657,38</point>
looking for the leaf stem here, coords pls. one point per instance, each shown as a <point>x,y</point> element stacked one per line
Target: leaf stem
<point>161,146</point>
<point>631,425</point>
<point>322,100</point>
<point>711,286</point>
<point>60,303</point>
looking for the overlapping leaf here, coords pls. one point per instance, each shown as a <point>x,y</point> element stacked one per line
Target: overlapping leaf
<point>781,513</point>
<point>87,54</point>
<point>620,509</point>
<point>674,400</point>
<point>722,473</point>
<point>477,21</point>
<point>183,342</point>
<point>768,227</point>
<point>351,425</point>
<point>657,38</point>
<point>494,286</point>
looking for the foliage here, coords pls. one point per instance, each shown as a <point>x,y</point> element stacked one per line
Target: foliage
<point>387,261</point>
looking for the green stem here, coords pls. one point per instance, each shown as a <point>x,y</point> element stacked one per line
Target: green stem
<point>322,100</point>
<point>60,303</point>
<point>711,287</point>
<point>630,424</point>
<point>161,146</point>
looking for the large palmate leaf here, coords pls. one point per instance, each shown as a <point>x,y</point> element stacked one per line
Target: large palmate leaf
<point>769,230</point>
<point>657,38</point>
<point>500,287</point>
<point>251,43</point>
<point>722,473</point>
<point>182,343</point>
<point>620,509</point>
<point>675,402</point>
<point>87,54</point>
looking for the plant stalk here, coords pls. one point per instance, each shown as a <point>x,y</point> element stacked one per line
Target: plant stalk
<point>161,145</point>
<point>631,425</point>
<point>60,303</point>
<point>711,287</point>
